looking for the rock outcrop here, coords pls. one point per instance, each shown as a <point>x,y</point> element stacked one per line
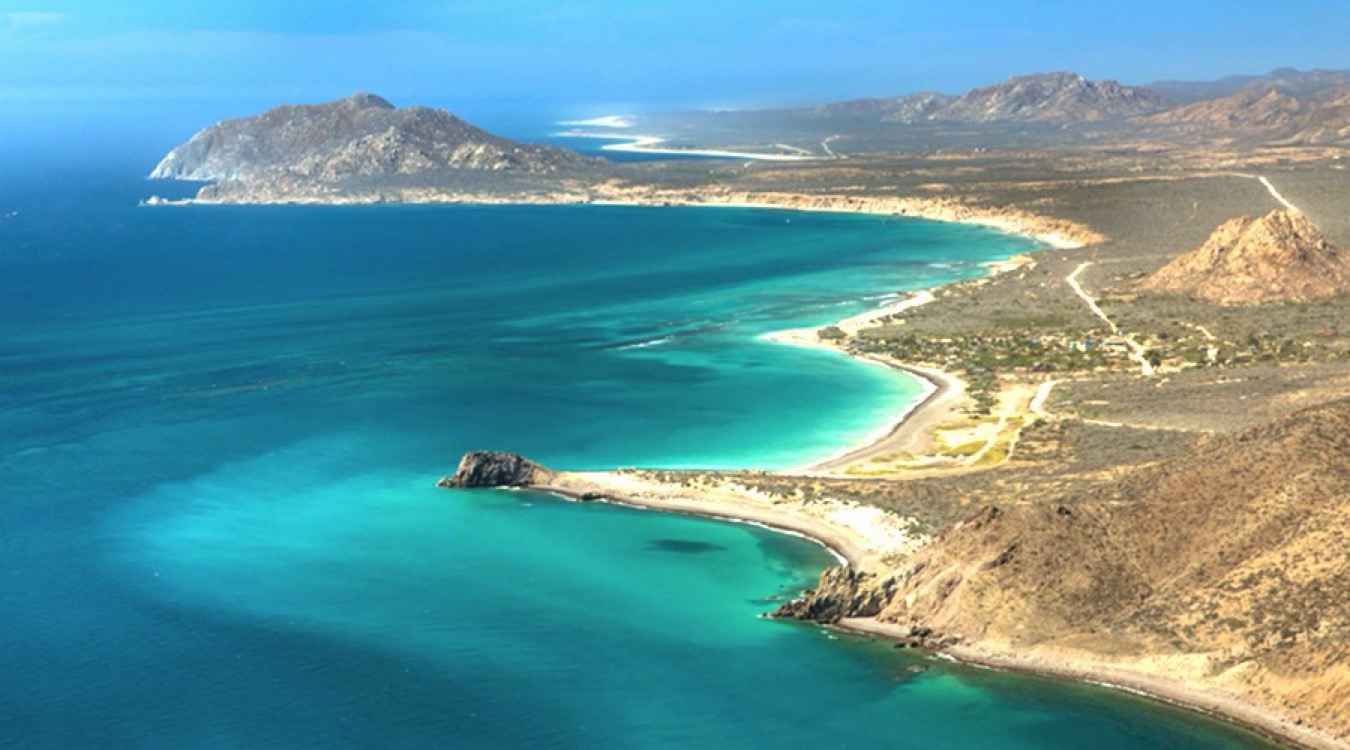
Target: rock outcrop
<point>1280,257</point>
<point>496,469</point>
<point>1249,109</point>
<point>841,592</point>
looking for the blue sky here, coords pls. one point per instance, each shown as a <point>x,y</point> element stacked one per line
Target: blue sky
<point>236,55</point>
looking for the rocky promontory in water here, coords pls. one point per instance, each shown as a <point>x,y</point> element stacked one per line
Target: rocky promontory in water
<point>497,469</point>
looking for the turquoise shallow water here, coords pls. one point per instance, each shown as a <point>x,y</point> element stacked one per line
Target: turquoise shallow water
<point>220,428</point>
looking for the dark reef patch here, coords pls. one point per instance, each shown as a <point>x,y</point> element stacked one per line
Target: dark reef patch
<point>685,546</point>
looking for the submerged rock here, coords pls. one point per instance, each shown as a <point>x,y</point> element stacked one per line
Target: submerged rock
<point>496,469</point>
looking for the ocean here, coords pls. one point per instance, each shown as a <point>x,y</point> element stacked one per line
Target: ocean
<point>219,433</point>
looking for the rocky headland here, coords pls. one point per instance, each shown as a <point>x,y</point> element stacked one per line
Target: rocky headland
<point>1225,568</point>
<point>351,144</point>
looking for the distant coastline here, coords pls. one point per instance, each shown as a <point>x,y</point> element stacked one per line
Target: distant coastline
<point>651,144</point>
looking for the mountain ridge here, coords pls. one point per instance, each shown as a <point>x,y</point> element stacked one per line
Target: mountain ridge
<point>1291,80</point>
<point>1057,97</point>
<point>1283,107</point>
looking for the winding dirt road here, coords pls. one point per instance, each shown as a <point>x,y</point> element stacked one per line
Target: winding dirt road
<point>1137,349</point>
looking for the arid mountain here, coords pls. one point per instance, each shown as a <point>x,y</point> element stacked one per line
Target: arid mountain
<point>1226,567</point>
<point>1266,108</point>
<point>1295,82</point>
<point>1283,108</point>
<point>1269,113</point>
<point>1280,257</point>
<point>924,105</point>
<point>1047,98</point>
<point>361,136</point>
<point>1327,122</point>
<point>1052,97</point>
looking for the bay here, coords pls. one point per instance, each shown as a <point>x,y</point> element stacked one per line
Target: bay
<point>221,426</point>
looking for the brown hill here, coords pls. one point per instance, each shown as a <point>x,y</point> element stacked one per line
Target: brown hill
<point>1261,108</point>
<point>1226,568</point>
<point>1327,122</point>
<point>1280,257</point>
<point>1267,113</point>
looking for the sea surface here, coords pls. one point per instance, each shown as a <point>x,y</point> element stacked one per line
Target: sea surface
<point>219,433</point>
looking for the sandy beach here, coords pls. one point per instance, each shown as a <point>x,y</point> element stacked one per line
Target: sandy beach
<point>1055,233</point>
<point>651,144</point>
<point>911,428</point>
<point>861,536</point>
<point>1059,234</point>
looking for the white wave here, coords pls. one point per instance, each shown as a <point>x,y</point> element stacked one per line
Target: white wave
<point>645,344</point>
<point>608,121</point>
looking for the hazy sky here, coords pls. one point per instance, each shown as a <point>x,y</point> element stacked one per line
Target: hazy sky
<point>57,54</point>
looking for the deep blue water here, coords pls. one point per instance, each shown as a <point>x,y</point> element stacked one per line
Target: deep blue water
<point>219,428</point>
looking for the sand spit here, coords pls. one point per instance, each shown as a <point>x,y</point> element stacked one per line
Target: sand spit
<point>863,536</point>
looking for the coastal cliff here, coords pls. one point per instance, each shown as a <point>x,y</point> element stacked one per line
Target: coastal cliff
<point>1226,568</point>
